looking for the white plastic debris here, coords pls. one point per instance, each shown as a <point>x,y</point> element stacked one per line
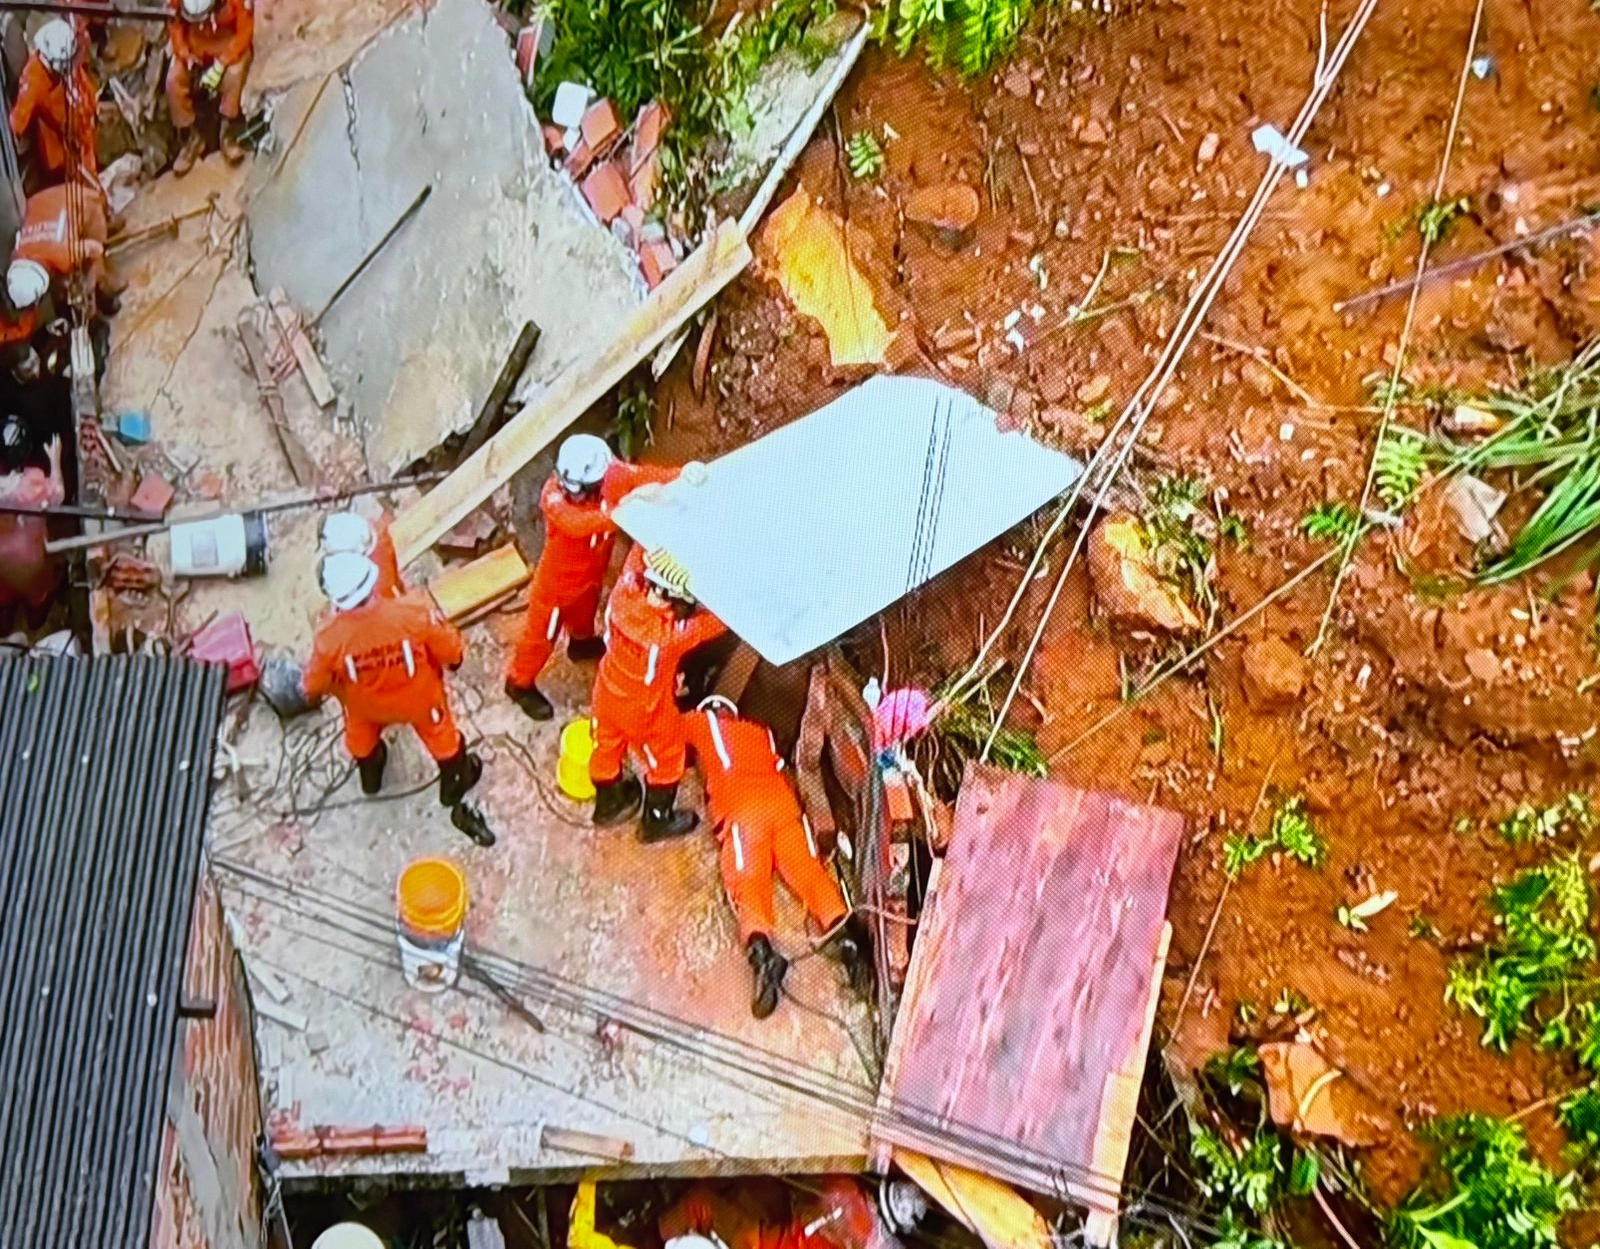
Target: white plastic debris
<point>1270,141</point>
<point>571,102</point>
<point>1302,179</point>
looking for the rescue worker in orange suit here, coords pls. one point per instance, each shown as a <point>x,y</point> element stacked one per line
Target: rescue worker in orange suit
<point>579,537</point>
<point>56,107</point>
<point>652,622</point>
<point>832,1212</point>
<point>212,46</point>
<point>350,533</point>
<point>63,231</point>
<point>760,827</point>
<point>384,659</point>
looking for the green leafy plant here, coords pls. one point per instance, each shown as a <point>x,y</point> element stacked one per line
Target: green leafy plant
<point>1330,521</point>
<point>971,35</point>
<point>631,426</point>
<point>1182,524</point>
<point>959,734</point>
<point>1485,1190</point>
<point>864,155</point>
<point>1240,850</point>
<point>1572,817</point>
<point>1534,978</point>
<point>1234,1068</point>
<point>1579,1115</point>
<point>1295,835</point>
<point>1436,220</point>
<point>1245,1181</point>
<point>1400,463</point>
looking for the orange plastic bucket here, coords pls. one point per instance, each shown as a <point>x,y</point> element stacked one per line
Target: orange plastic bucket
<point>431,898</point>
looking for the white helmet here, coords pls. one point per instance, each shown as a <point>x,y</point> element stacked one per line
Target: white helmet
<point>346,533</point>
<point>196,10</point>
<point>348,1236</point>
<point>348,580</point>
<point>27,282</point>
<point>719,703</point>
<point>582,462</point>
<point>57,45</point>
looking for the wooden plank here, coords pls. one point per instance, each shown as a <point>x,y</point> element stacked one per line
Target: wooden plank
<point>1119,1107</point>
<point>993,1211</point>
<point>255,347</point>
<point>573,1141</point>
<point>886,1129</point>
<point>305,355</point>
<point>720,259</point>
<point>462,590</point>
<point>500,392</point>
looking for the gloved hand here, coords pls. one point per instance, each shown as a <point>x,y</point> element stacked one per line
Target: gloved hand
<point>211,80</point>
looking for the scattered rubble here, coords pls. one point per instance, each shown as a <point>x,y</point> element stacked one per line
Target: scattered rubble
<point>1274,674</point>
<point>1126,585</point>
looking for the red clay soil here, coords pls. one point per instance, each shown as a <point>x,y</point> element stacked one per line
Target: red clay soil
<point>1423,706</point>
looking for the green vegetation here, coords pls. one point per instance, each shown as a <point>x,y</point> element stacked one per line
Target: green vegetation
<point>1291,833</point>
<point>1433,220</point>
<point>1234,1068</point>
<point>1182,524</point>
<point>635,51</point>
<point>959,733</point>
<point>971,35</point>
<point>1572,817</point>
<point>864,154</point>
<point>1484,1191</point>
<point>630,429</point>
<point>1401,462</point>
<point>1532,979</point>
<point>1330,521</point>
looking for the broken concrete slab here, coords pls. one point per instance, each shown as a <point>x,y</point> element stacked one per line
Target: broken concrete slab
<point>418,340</point>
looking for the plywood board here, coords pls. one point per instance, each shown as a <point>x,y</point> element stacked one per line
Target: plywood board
<point>1029,987</point>
<point>984,1206</point>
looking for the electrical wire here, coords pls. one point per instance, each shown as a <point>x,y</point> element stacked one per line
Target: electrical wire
<point>1070,1181</point>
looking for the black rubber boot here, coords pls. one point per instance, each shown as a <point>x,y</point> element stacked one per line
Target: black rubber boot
<point>852,945</point>
<point>458,775</point>
<point>534,704</point>
<point>616,802</point>
<point>470,821</point>
<point>586,650</point>
<point>371,770</point>
<point>770,967</point>
<point>662,821</point>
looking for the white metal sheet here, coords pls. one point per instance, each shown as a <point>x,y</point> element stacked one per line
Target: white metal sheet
<point>802,534</point>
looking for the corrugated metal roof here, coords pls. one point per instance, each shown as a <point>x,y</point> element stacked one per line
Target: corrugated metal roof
<point>105,767</point>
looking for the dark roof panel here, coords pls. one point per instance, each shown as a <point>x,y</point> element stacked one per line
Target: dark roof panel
<point>105,769</point>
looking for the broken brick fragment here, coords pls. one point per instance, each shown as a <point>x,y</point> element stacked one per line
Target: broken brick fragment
<point>648,128</point>
<point>153,496</point>
<point>600,125</point>
<point>607,191</point>
<point>655,262</point>
<point>645,180</point>
<point>579,159</point>
<point>555,139</point>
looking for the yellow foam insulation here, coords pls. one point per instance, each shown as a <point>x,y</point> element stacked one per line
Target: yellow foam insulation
<point>806,248</point>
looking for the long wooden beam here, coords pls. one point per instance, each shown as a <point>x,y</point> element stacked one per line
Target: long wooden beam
<point>717,261</point>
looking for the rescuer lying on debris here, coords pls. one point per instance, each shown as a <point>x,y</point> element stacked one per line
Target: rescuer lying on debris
<point>759,827</point>
<point>63,233</point>
<point>384,659</point>
<point>29,575</point>
<point>652,622</point>
<point>350,533</point>
<point>55,109</point>
<point>832,1212</point>
<point>579,536</point>
<point>212,46</point>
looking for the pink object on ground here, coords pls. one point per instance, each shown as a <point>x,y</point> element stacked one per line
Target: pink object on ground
<point>901,715</point>
<point>227,640</point>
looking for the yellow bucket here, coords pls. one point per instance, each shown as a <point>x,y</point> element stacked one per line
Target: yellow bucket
<point>431,898</point>
<point>572,768</point>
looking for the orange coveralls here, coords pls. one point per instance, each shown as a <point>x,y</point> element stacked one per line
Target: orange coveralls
<point>390,583</point>
<point>47,234</point>
<point>839,1215</point>
<point>759,824</point>
<point>228,36</point>
<point>42,109</point>
<point>636,686</point>
<point>385,661</point>
<point>579,536</point>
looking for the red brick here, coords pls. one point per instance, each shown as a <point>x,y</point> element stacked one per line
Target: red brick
<point>555,139</point>
<point>579,160</point>
<point>655,262</point>
<point>647,130</point>
<point>633,216</point>
<point>600,125</point>
<point>607,191</point>
<point>153,496</point>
